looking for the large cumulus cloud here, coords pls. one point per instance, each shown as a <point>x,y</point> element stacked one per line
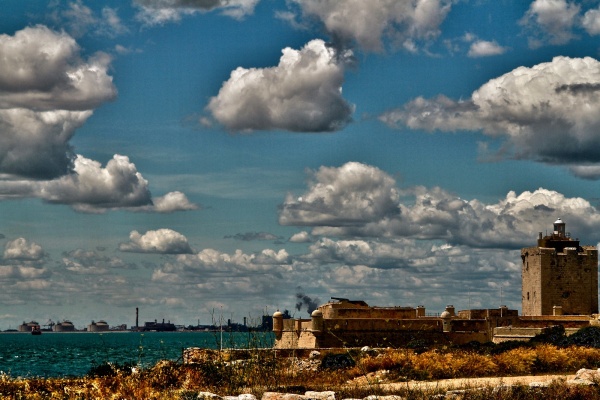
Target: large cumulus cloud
<point>367,23</point>
<point>302,94</point>
<point>548,113</point>
<point>47,91</point>
<point>93,188</point>
<point>353,194</point>
<point>157,12</point>
<point>358,200</point>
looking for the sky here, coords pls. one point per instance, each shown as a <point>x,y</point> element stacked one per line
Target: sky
<point>211,159</point>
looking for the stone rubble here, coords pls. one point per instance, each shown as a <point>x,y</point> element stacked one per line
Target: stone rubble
<point>583,377</point>
<point>586,377</point>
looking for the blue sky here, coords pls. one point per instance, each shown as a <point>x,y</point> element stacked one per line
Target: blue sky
<point>193,158</point>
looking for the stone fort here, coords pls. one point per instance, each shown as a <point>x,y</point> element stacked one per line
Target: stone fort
<point>559,276</point>
<point>559,287</point>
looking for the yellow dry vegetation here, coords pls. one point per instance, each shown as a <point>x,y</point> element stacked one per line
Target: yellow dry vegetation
<point>264,371</point>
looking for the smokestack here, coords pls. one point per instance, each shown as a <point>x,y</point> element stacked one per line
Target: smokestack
<point>137,313</point>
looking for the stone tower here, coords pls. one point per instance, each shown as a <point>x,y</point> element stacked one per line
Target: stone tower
<point>559,276</point>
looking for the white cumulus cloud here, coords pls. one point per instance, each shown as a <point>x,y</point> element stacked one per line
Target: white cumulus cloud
<point>301,237</point>
<point>591,21</point>
<point>367,23</point>
<point>171,202</point>
<point>550,21</point>
<point>47,91</point>
<point>158,12</point>
<point>347,202</point>
<point>160,241</point>
<point>484,48</point>
<point>302,94</point>
<point>352,194</point>
<point>22,249</point>
<point>92,188</point>
<point>548,113</point>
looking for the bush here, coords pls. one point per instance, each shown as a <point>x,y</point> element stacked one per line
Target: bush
<point>588,337</point>
<point>550,359</point>
<point>110,369</point>
<point>517,361</point>
<point>334,362</point>
<point>508,345</point>
<point>553,335</point>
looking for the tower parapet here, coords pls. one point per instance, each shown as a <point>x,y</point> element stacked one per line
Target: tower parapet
<point>559,239</point>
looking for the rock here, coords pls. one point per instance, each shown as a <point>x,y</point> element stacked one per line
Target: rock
<point>365,349</point>
<point>208,396</point>
<point>327,395</point>
<point>272,396</point>
<point>586,377</point>
<point>306,365</point>
<point>583,382</point>
<point>591,374</point>
<point>539,384</point>
<point>292,396</point>
<point>246,396</point>
<point>281,396</point>
<point>388,397</point>
<point>314,354</point>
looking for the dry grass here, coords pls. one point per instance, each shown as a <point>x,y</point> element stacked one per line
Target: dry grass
<point>262,371</point>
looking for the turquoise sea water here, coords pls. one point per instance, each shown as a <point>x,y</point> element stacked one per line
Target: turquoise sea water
<point>73,354</point>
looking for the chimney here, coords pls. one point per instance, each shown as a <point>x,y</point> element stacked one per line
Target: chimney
<point>137,313</point>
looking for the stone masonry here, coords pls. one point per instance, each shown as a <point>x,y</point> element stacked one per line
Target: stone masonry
<point>559,276</point>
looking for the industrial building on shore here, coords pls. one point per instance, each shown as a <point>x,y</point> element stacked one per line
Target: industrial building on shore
<point>559,287</point>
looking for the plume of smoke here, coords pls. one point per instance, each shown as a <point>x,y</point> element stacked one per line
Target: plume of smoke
<point>304,300</point>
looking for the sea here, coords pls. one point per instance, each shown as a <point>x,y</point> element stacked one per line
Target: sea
<point>74,354</point>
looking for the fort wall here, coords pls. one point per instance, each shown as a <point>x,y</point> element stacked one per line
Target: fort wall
<point>559,287</point>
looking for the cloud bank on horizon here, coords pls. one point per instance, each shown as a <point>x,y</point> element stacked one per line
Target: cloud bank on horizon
<point>95,110</point>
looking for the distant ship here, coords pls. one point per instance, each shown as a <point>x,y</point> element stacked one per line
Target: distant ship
<point>36,330</point>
